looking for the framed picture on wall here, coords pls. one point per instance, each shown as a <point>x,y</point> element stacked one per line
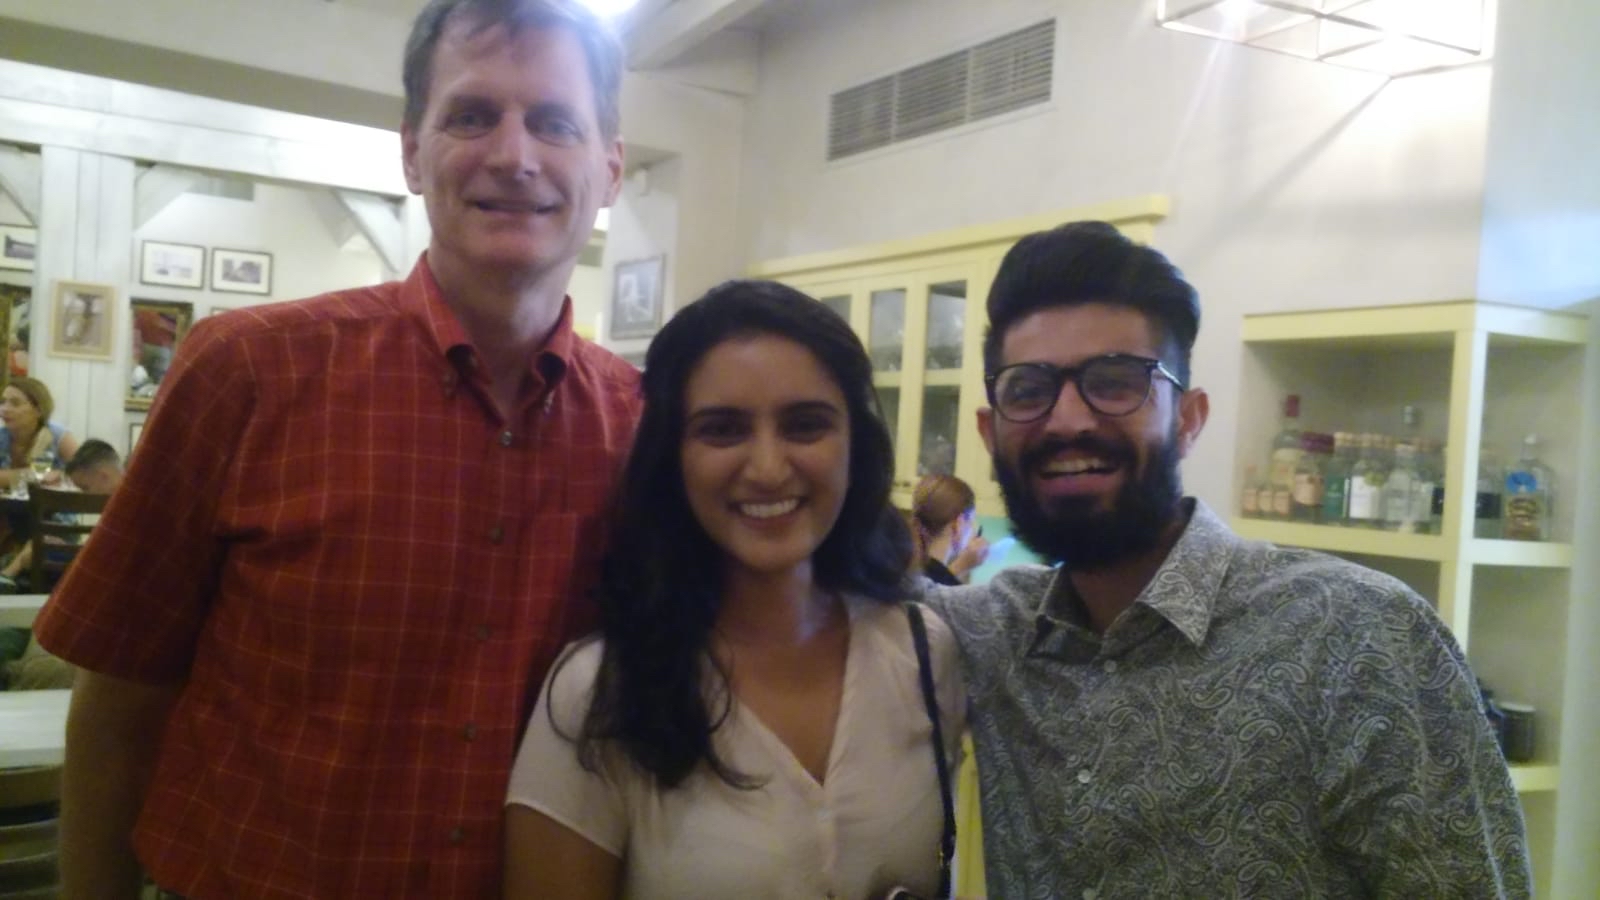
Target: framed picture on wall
<point>18,245</point>
<point>16,308</point>
<point>174,265</point>
<point>636,298</point>
<point>158,328</point>
<point>241,271</point>
<point>82,319</point>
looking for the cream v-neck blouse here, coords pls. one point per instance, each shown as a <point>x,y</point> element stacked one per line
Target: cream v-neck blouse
<point>872,824</point>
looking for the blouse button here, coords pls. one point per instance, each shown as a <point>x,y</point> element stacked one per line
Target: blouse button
<point>1084,777</point>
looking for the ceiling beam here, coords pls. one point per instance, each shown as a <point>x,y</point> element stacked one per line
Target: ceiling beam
<point>680,26</point>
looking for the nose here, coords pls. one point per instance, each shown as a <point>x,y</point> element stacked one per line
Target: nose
<point>513,152</point>
<point>1072,414</point>
<point>767,465</point>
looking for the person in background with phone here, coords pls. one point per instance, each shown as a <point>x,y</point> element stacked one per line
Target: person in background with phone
<point>1172,711</point>
<point>749,722</point>
<point>944,526</point>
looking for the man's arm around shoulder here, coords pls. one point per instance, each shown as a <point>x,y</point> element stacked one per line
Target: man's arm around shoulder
<point>113,729</point>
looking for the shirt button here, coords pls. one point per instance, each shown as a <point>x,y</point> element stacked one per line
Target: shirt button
<point>469,732</point>
<point>505,438</point>
<point>457,835</point>
<point>496,535</point>
<point>1110,666</point>
<point>482,632</point>
<point>1084,777</point>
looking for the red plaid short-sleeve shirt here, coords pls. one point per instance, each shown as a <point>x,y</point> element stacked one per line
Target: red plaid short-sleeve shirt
<point>361,573</point>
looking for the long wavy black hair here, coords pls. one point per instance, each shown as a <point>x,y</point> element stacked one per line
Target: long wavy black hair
<point>661,587</point>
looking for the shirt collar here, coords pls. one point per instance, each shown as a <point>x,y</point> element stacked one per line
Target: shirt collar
<point>1183,590</point>
<point>423,301</point>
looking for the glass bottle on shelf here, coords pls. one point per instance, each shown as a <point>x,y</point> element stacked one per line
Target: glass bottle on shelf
<point>1431,461</point>
<point>1399,490</point>
<point>1305,502</point>
<point>1336,479</point>
<point>1365,505</point>
<point>1249,498</point>
<point>1530,486</point>
<point>1285,451</point>
<point>1491,489</point>
<point>1410,424</point>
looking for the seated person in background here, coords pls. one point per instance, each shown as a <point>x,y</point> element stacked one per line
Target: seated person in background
<point>25,410</point>
<point>944,527</point>
<point>1175,711</point>
<point>749,722</point>
<point>94,469</point>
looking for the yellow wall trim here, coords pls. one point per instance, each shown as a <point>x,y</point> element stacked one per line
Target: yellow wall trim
<point>1146,210</point>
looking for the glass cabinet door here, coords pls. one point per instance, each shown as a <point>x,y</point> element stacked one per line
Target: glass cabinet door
<point>886,335</point>
<point>947,326</point>
<point>914,325</point>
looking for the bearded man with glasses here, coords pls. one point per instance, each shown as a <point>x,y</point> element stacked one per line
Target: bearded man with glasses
<point>1172,711</point>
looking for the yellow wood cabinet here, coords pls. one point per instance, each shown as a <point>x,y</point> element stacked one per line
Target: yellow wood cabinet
<point>1482,375</point>
<point>918,306</point>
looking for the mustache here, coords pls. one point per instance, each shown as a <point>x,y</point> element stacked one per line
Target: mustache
<point>1088,445</point>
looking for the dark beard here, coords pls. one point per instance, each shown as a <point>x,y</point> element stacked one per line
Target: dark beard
<point>1071,532</point>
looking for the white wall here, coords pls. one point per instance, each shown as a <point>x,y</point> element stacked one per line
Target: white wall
<point>644,223</point>
<point>1541,231</point>
<point>10,212</point>
<point>282,221</point>
<point>702,239</point>
<point>1294,185</point>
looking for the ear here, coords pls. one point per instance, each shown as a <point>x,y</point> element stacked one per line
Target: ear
<point>408,158</point>
<point>1194,407</point>
<point>986,428</point>
<point>614,158</point>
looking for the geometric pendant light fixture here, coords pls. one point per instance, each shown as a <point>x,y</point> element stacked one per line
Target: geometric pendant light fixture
<point>1391,37</point>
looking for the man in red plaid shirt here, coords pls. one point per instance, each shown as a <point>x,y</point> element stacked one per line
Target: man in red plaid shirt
<point>360,526</point>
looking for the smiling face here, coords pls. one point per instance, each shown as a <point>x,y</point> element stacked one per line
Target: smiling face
<point>18,412</point>
<point>766,452</point>
<point>1084,488</point>
<point>509,154</point>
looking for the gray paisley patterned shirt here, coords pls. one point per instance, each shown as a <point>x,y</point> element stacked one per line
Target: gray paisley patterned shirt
<point>1262,722</point>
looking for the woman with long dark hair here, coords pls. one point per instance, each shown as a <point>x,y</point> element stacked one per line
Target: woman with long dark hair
<point>749,722</point>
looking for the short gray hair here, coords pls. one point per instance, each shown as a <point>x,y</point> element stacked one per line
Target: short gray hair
<point>600,47</point>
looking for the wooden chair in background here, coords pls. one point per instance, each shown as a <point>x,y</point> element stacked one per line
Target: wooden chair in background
<point>58,530</point>
<point>30,811</point>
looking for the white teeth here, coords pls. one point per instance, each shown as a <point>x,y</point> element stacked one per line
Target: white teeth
<point>768,510</point>
<point>1075,466</point>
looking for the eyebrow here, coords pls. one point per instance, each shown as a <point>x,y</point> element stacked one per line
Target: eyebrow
<point>799,406</point>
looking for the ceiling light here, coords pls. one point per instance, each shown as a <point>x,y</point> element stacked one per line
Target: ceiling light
<point>610,8</point>
<point>1390,37</point>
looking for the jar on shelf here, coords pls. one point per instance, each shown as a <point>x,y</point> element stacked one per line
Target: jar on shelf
<point>1305,501</point>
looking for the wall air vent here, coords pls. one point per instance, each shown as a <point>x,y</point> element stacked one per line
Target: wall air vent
<point>997,76</point>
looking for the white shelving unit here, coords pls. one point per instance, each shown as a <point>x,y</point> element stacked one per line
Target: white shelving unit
<point>1477,371</point>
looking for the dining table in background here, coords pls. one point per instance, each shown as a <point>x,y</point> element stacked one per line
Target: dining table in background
<point>33,727</point>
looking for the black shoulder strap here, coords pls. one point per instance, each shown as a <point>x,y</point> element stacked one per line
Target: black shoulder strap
<point>947,840</point>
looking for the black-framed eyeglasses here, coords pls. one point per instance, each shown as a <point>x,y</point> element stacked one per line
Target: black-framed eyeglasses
<point>1116,384</point>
